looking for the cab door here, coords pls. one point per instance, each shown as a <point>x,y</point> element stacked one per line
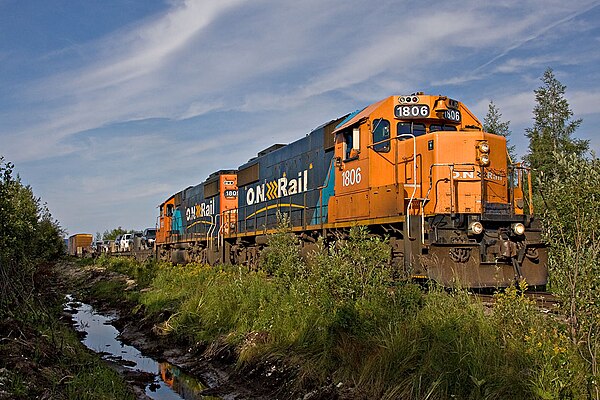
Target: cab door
<point>351,175</point>
<point>165,219</point>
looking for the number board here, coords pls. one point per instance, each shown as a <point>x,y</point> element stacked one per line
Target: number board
<point>231,194</point>
<point>405,111</point>
<point>452,115</point>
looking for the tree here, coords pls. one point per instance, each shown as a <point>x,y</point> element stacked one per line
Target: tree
<point>551,134</point>
<point>112,234</point>
<point>492,123</point>
<point>571,225</point>
<point>28,236</point>
<point>569,197</point>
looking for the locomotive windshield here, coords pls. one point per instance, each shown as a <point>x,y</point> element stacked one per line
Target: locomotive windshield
<point>381,132</point>
<point>410,128</point>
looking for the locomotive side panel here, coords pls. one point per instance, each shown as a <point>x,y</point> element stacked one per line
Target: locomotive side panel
<point>293,179</point>
<point>198,213</point>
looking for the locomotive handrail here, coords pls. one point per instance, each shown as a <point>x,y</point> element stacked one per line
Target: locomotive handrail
<point>219,236</point>
<point>412,197</point>
<point>211,229</point>
<point>520,168</point>
<point>530,190</point>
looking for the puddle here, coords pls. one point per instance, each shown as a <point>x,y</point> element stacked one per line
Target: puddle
<point>169,383</point>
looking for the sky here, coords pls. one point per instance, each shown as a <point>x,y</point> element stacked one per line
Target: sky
<point>107,107</point>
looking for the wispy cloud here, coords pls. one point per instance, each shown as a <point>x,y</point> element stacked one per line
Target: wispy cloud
<point>226,78</point>
<point>514,107</point>
<point>541,30</point>
<point>169,66</point>
<point>122,82</point>
<point>584,102</point>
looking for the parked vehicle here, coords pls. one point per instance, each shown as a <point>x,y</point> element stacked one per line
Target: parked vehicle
<point>125,242</point>
<point>117,243</point>
<point>107,246</point>
<point>136,241</point>
<point>149,237</point>
<point>98,246</point>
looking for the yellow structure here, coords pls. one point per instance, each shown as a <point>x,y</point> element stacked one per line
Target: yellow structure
<point>80,243</point>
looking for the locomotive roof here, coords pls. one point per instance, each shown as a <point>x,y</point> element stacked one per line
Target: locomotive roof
<point>219,173</point>
<point>358,115</point>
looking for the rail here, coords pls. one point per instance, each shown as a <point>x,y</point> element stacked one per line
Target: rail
<point>545,301</point>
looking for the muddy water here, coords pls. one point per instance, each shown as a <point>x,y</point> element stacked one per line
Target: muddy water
<point>103,338</point>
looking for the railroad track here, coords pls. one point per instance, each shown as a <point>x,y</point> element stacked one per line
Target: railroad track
<point>545,301</point>
<point>140,255</point>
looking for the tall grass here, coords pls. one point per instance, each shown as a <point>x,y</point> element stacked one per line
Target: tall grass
<point>339,316</point>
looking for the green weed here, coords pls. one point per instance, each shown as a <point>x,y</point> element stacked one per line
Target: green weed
<point>338,315</point>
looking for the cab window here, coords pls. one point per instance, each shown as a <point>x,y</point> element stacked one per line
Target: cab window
<point>351,144</point>
<point>347,145</point>
<point>381,133</point>
<point>169,210</point>
<point>409,128</point>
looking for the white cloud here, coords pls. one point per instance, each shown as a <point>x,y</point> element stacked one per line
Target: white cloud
<point>516,108</point>
<point>138,52</point>
<point>169,66</point>
<point>584,102</point>
<point>230,77</point>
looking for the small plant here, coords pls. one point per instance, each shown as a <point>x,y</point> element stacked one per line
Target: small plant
<point>282,256</point>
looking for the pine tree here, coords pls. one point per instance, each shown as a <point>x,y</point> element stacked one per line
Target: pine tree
<point>553,127</point>
<point>492,123</point>
<point>567,199</point>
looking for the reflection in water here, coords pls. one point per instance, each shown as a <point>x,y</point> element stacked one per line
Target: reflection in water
<point>101,337</point>
<point>183,384</point>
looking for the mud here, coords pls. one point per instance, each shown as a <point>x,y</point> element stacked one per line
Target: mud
<point>214,365</point>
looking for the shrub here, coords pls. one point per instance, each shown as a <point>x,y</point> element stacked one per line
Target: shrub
<point>28,237</point>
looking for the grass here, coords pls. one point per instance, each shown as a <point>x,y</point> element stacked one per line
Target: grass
<point>44,359</point>
<point>341,317</point>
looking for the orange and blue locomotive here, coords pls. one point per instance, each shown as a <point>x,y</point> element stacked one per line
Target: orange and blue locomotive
<point>190,221</point>
<point>417,168</point>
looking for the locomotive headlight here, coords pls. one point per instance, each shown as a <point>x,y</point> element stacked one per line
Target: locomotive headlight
<point>518,228</point>
<point>484,159</point>
<point>484,147</point>
<point>475,228</point>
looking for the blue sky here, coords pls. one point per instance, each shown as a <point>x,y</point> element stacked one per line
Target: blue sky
<point>107,107</point>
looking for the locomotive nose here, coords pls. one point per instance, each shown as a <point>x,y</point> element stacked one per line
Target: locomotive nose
<point>508,249</point>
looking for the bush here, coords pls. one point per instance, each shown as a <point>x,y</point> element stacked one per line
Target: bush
<point>571,202</point>
<point>28,237</point>
<point>338,316</point>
